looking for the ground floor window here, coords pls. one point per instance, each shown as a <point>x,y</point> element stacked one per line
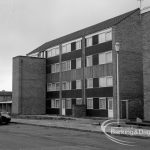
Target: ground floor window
<point>89,103</point>
<point>102,103</point>
<point>54,103</point>
<point>68,103</point>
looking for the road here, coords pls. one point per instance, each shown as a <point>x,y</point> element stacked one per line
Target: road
<point>27,137</point>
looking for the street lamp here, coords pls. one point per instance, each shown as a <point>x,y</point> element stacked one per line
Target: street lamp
<point>117,48</point>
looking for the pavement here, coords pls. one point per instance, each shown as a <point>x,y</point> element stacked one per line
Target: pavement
<point>81,124</point>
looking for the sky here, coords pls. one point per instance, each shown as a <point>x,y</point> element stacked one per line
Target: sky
<point>27,24</point>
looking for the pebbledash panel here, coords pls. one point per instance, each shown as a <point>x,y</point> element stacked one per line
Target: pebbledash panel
<point>97,95</point>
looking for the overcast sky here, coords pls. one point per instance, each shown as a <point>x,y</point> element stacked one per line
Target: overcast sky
<point>26,24</point>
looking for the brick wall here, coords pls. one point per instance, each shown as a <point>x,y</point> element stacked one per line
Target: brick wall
<point>29,85</point>
<point>128,34</point>
<point>146,63</point>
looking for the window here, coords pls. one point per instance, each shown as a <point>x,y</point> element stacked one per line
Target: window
<point>109,57</point>
<point>66,85</point>
<point>57,67</point>
<point>78,45</point>
<point>49,53</point>
<point>109,81</point>
<point>89,60</point>
<point>102,103</point>
<point>108,36</point>
<point>102,58</point>
<point>49,87</point>
<point>90,83</point>
<point>68,47</point>
<point>68,103</point>
<point>79,101</point>
<point>78,84</point>
<point>102,82</point>
<point>57,51</point>
<point>52,103</point>
<point>89,103</point>
<point>57,86</point>
<point>78,63</point>
<point>64,66</point>
<point>89,41</point>
<point>56,103</point>
<point>53,68</point>
<point>64,49</point>
<point>53,87</point>
<point>102,38</point>
<point>69,65</point>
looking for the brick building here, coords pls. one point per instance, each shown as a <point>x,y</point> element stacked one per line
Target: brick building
<point>5,101</point>
<point>85,82</point>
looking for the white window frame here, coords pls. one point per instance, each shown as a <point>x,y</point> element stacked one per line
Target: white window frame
<point>57,105</point>
<point>102,40</point>
<point>89,60</point>
<point>100,106</point>
<point>57,69</point>
<point>107,78</point>
<point>57,87</point>
<point>89,103</point>
<point>102,60</point>
<point>53,68</point>
<point>78,84</point>
<point>65,65</point>
<point>103,82</point>
<point>89,41</point>
<point>109,35</point>
<point>78,44</point>
<point>89,81</point>
<point>106,58</point>
<point>78,63</point>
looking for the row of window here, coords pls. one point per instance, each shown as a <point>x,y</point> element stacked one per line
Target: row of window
<point>98,38</point>
<point>93,39</point>
<point>104,58</point>
<point>106,81</point>
<point>55,103</point>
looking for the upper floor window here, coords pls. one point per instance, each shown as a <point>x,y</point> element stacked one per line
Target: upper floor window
<point>78,63</point>
<point>90,83</point>
<point>106,81</point>
<point>105,57</point>
<point>78,44</point>
<point>89,103</point>
<point>108,36</point>
<point>78,84</point>
<point>89,41</point>
<point>66,86</point>
<point>66,48</point>
<point>66,65</point>
<point>53,52</point>
<point>57,67</point>
<point>89,60</point>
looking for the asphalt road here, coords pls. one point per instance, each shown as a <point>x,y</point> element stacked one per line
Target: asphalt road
<point>26,137</point>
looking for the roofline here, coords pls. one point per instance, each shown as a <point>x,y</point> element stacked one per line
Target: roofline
<point>83,31</point>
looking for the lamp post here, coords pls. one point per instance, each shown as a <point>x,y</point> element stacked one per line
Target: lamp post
<point>117,48</point>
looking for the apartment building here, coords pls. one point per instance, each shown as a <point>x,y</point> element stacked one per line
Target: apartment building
<point>79,71</point>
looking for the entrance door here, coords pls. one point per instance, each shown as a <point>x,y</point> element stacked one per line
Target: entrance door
<point>110,108</point>
<point>63,107</point>
<point>124,106</point>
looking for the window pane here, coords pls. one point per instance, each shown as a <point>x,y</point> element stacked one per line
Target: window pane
<point>79,101</point>
<point>52,103</point>
<point>89,61</point>
<point>53,52</point>
<point>109,81</point>
<point>109,36</point>
<point>68,103</point>
<point>64,66</point>
<point>102,103</point>
<point>53,68</point>
<point>64,86</point>
<point>53,87</point>
<point>57,67</point>
<point>102,82</point>
<point>78,63</point>
<point>90,103</point>
<point>57,103</point>
<point>57,51</point>
<point>64,49</point>
<point>89,41</point>
<point>78,84</point>
<point>57,86</point>
<point>49,53</point>
<point>49,87</point>
<point>69,65</point>
<point>68,48</point>
<point>102,38</point>
<point>102,58</point>
<point>90,83</point>
<point>109,57</point>
<point>78,45</point>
